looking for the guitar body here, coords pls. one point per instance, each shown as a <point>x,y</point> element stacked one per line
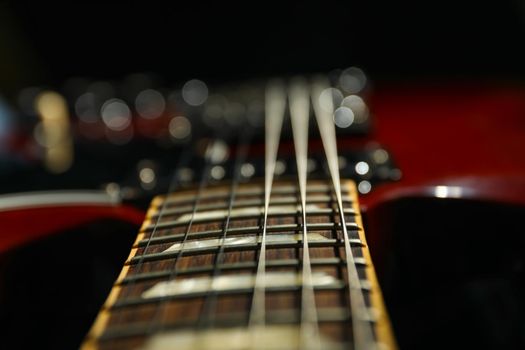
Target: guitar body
<point>464,136</point>
<point>447,239</point>
<point>444,238</point>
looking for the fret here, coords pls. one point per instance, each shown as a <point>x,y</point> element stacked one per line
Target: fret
<point>242,240</point>
<point>129,302</point>
<point>199,270</point>
<point>245,265</point>
<point>242,247</point>
<point>283,228</point>
<point>251,214</point>
<point>236,319</point>
<point>246,203</point>
<point>255,190</point>
<point>230,282</point>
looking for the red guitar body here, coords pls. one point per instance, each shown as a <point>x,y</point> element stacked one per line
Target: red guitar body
<point>462,135</point>
<point>447,239</point>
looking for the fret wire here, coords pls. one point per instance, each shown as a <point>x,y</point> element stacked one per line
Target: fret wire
<point>130,302</point>
<point>211,300</point>
<point>185,198</point>
<point>299,113</point>
<point>248,230</point>
<point>323,107</point>
<point>289,212</point>
<point>275,104</point>
<point>326,314</point>
<point>245,265</point>
<point>245,247</point>
<point>250,203</point>
<point>162,307</point>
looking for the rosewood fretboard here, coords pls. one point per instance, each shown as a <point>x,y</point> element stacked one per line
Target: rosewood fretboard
<point>189,279</point>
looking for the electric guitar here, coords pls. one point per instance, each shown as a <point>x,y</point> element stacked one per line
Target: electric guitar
<point>250,264</point>
<point>221,261</point>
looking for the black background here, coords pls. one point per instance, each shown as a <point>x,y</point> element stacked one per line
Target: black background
<point>47,43</point>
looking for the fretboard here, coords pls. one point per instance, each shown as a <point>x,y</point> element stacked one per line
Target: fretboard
<point>192,275</point>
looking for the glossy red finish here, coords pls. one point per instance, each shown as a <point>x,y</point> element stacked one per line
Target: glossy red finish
<point>470,136</point>
<point>21,226</point>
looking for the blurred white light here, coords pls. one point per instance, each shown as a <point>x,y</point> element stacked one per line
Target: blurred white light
<point>180,127</point>
<point>380,156</point>
<point>343,117</point>
<point>247,170</point>
<point>217,172</point>
<point>364,187</point>
<point>448,191</point>
<point>330,98</point>
<point>358,106</point>
<point>116,114</point>
<point>352,80</point>
<point>362,168</point>
<point>150,104</point>
<point>195,92</point>
<point>147,175</point>
<point>218,152</point>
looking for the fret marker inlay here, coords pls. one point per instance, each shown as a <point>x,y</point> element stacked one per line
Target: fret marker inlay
<point>233,282</point>
<point>241,212</point>
<point>233,241</point>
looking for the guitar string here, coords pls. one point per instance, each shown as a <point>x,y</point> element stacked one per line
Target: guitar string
<point>158,324</point>
<point>323,107</point>
<point>207,318</point>
<point>275,104</point>
<point>300,113</point>
<point>183,161</point>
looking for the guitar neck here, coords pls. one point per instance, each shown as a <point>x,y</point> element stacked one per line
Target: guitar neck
<point>194,273</point>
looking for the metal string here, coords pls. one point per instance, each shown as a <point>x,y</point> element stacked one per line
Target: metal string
<point>207,318</point>
<point>162,306</point>
<point>183,161</point>
<point>300,113</point>
<point>323,107</point>
<point>275,103</point>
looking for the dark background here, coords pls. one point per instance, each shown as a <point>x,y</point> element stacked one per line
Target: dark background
<point>45,43</point>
